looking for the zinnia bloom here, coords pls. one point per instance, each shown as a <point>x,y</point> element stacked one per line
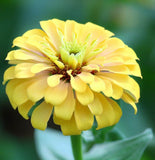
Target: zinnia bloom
<point>77,70</point>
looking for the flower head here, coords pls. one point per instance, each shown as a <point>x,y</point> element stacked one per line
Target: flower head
<point>77,70</point>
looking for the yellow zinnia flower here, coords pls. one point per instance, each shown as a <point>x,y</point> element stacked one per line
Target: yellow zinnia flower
<point>77,70</point>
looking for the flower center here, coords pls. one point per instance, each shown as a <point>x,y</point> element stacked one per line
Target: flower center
<point>66,76</point>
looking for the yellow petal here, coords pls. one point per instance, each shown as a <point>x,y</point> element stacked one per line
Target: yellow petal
<point>23,70</point>
<point>86,77</point>
<point>50,28</point>
<point>97,85</point>
<point>54,80</point>
<point>117,110</point>
<point>72,61</point>
<point>20,94</point>
<point>25,108</point>
<point>91,67</point>
<point>83,117</point>
<point>32,32</point>
<point>86,97</point>
<point>65,110</point>
<point>113,44</point>
<point>107,118</point>
<point>108,91</point>
<point>21,42</point>
<point>69,29</point>
<point>36,68</point>
<point>70,128</point>
<point>135,70</point>
<point>122,69</point>
<point>11,85</point>
<point>126,98</point>
<point>78,84</point>
<point>117,91</point>
<point>56,95</point>
<point>96,106</point>
<point>125,82</point>
<point>36,90</point>
<point>41,115</point>
<point>9,74</point>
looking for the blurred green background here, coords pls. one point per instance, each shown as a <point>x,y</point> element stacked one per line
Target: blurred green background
<point>131,20</point>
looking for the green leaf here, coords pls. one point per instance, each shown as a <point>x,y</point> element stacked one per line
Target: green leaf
<point>127,149</point>
<point>52,144</point>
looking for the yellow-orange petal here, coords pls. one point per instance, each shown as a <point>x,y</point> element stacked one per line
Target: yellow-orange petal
<point>69,127</point>
<point>86,97</point>
<point>83,117</point>
<point>96,106</point>
<point>36,90</point>
<point>25,108</point>
<point>9,74</point>
<point>56,95</point>
<point>41,115</point>
<point>54,80</point>
<point>65,110</point>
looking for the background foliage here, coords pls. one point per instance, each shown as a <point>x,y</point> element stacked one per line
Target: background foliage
<point>131,20</point>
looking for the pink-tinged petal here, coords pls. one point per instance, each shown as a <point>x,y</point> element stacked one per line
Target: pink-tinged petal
<point>56,95</point>
<point>65,110</point>
<point>86,97</point>
<point>83,117</point>
<point>25,108</point>
<point>41,115</point>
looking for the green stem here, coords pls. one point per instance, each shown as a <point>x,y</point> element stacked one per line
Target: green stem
<point>76,147</point>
